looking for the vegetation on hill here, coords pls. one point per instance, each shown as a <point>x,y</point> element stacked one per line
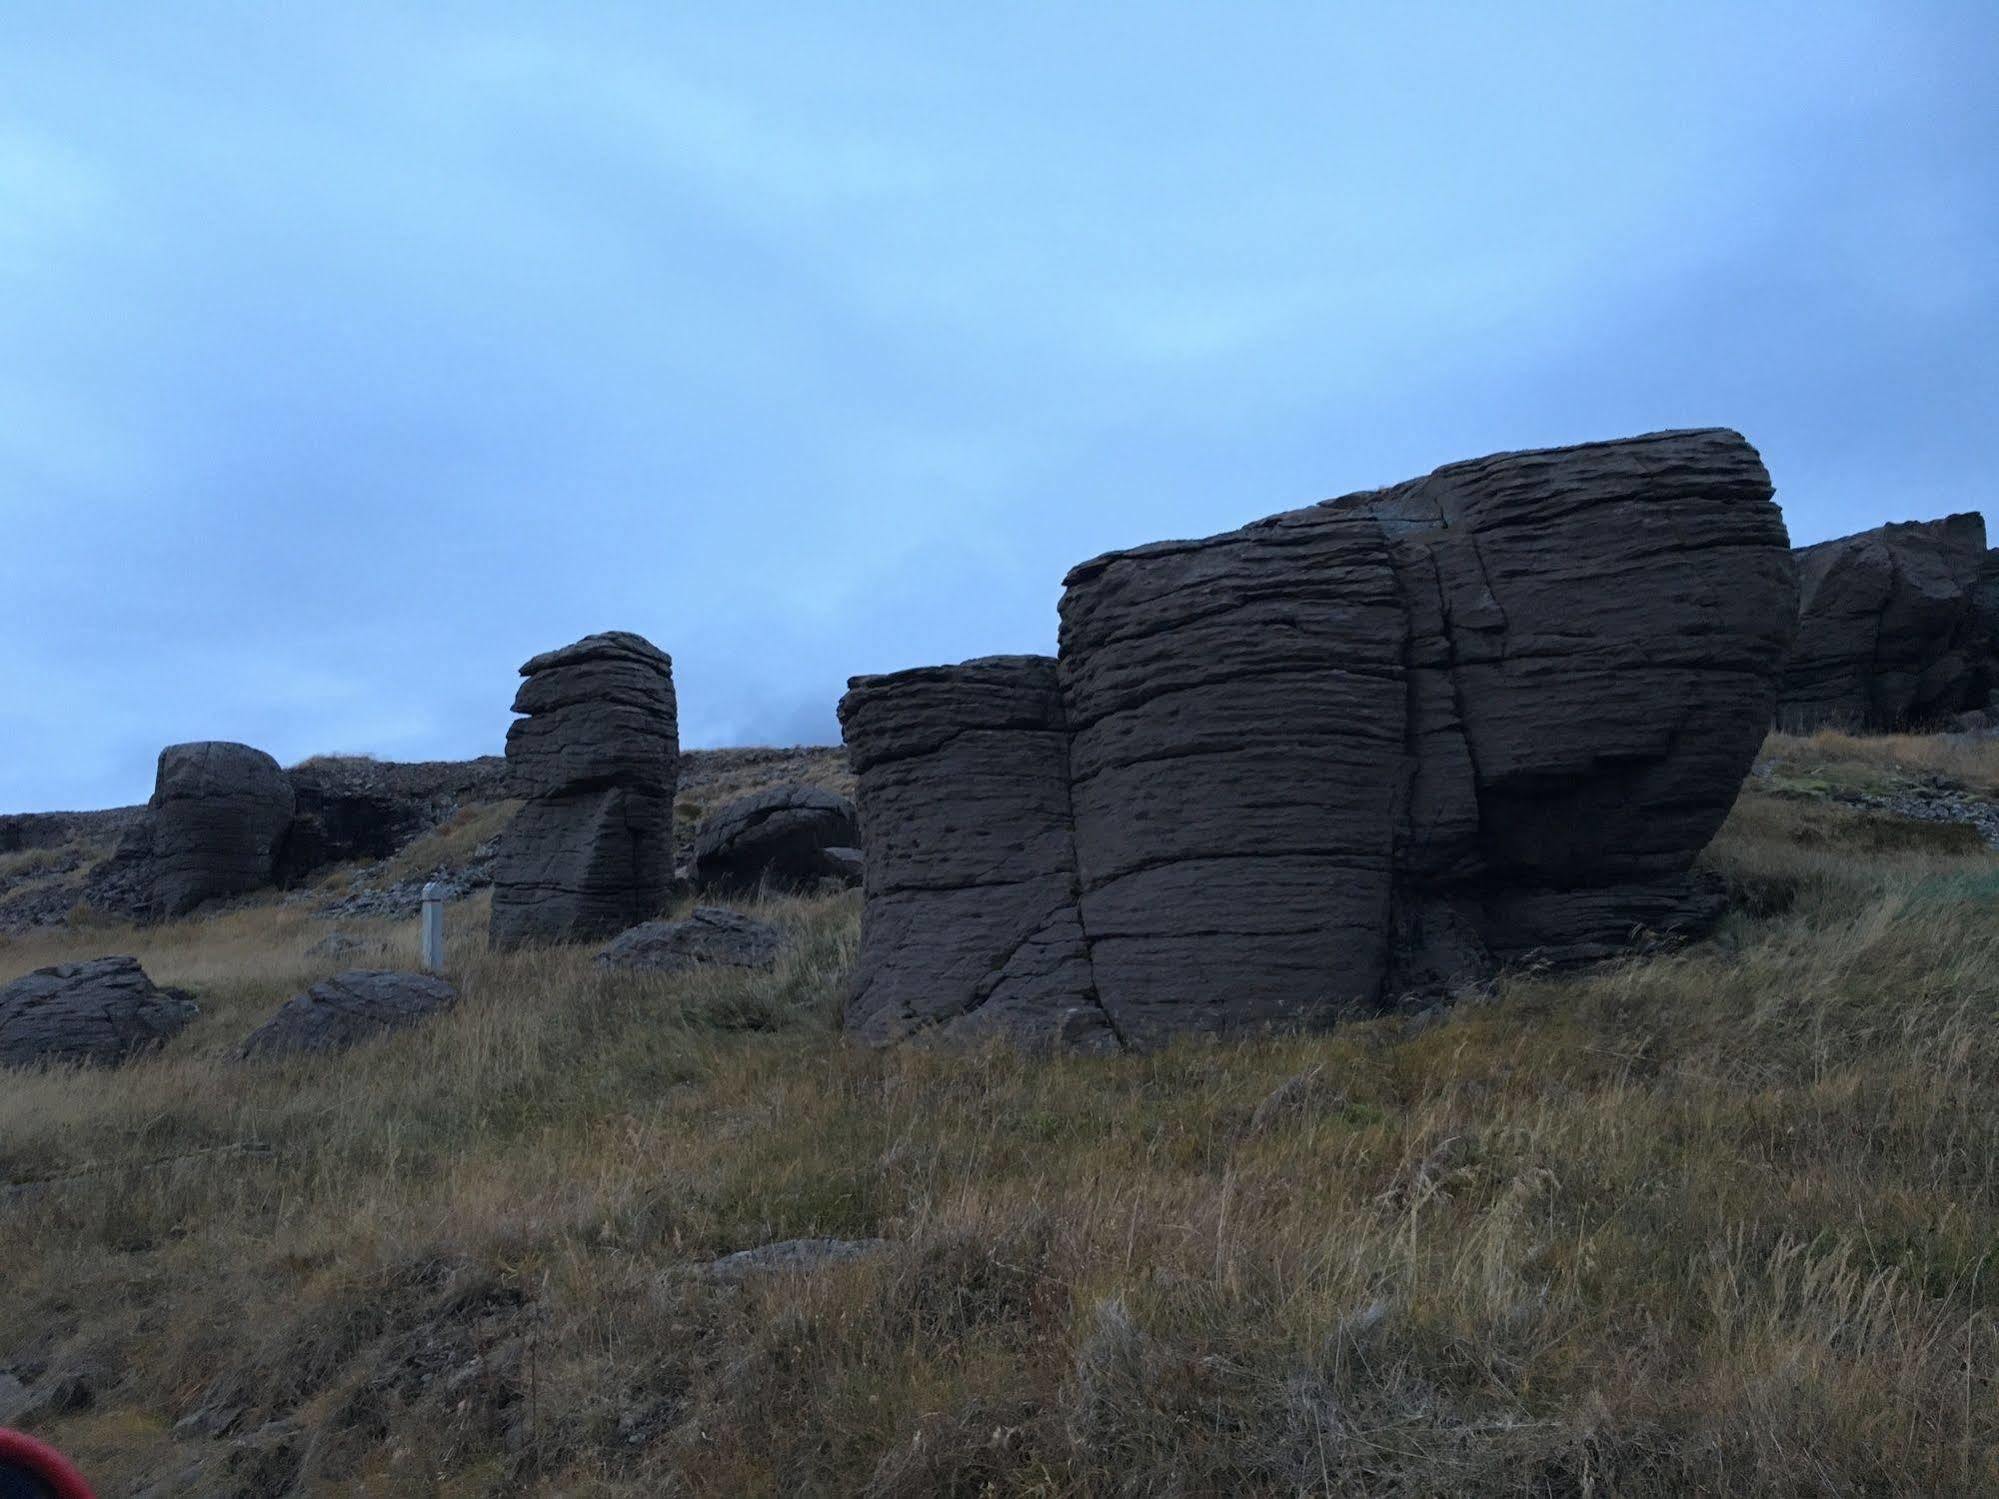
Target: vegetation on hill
<point>1719,1219</point>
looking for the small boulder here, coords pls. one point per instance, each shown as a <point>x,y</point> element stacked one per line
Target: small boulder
<point>781,838</point>
<point>349,1008</point>
<point>792,1256</point>
<point>710,935</point>
<point>102,1012</point>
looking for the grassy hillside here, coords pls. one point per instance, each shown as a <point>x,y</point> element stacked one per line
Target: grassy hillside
<point>1717,1220</point>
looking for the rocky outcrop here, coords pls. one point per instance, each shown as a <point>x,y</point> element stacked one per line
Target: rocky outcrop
<point>777,839</point>
<point>349,808</point>
<point>706,936</point>
<point>591,852</point>
<point>1369,748</point>
<point>1897,628</point>
<point>29,830</point>
<point>350,1008</point>
<point>102,1012</point>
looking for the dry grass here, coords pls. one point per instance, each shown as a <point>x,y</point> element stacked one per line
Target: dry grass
<point>1866,761</point>
<point>1716,1221</point>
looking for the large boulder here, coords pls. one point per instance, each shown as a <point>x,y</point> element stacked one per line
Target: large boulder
<point>708,936</point>
<point>591,852</point>
<point>1370,748</point>
<point>102,1012</point>
<point>1896,628</point>
<point>218,814</point>
<point>781,838</point>
<point>350,1008</point>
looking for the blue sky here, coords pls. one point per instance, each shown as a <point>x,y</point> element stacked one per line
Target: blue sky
<point>355,353</point>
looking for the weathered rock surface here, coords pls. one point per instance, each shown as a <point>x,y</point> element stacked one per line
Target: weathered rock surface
<point>777,839</point>
<point>709,935</point>
<point>349,807</point>
<point>1897,628</point>
<point>1371,747</point>
<point>348,1008</point>
<point>101,1012</point>
<point>591,852</point>
<point>218,814</point>
<point>970,923</point>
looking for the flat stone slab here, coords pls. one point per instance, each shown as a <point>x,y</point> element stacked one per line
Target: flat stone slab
<point>102,1012</point>
<point>349,1008</point>
<point>710,936</point>
<point>795,1256</point>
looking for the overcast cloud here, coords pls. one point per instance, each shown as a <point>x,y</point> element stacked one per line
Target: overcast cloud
<point>354,353</point>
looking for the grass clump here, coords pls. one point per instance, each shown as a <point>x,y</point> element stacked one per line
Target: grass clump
<point>1718,1219</point>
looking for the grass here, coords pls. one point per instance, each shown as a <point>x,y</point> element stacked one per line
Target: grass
<point>1717,1220</point>
<point>1830,760</point>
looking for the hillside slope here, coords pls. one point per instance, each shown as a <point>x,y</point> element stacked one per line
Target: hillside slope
<point>1713,1220</point>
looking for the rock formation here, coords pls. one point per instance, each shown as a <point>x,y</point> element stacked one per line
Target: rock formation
<point>102,1012</point>
<point>349,1008</point>
<point>1897,628</point>
<point>776,839</point>
<point>351,807</point>
<point>1372,747</point>
<point>217,818</point>
<point>707,936</point>
<point>591,852</point>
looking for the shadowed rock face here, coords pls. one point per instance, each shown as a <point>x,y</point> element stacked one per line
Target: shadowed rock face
<point>1375,746</point>
<point>101,1012</point>
<point>774,839</point>
<point>591,852</point>
<point>218,815</point>
<point>1896,627</point>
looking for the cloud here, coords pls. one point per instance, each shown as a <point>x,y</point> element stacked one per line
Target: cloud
<point>357,355</point>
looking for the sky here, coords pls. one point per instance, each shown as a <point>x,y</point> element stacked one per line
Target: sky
<point>352,354</point>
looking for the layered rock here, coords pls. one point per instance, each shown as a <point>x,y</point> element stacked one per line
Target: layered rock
<point>350,1008</point>
<point>1375,746</point>
<point>591,852</point>
<point>783,838</point>
<point>1897,628</point>
<point>970,923</point>
<point>101,1013</point>
<point>216,821</point>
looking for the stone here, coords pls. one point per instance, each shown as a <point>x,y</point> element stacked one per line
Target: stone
<point>778,839</point>
<point>1374,747</point>
<point>707,936</point>
<point>591,851</point>
<point>793,1257</point>
<point>350,1008</point>
<point>1896,628</point>
<point>100,1013</point>
<point>217,816</point>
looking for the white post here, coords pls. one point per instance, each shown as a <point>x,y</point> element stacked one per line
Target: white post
<point>433,927</point>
